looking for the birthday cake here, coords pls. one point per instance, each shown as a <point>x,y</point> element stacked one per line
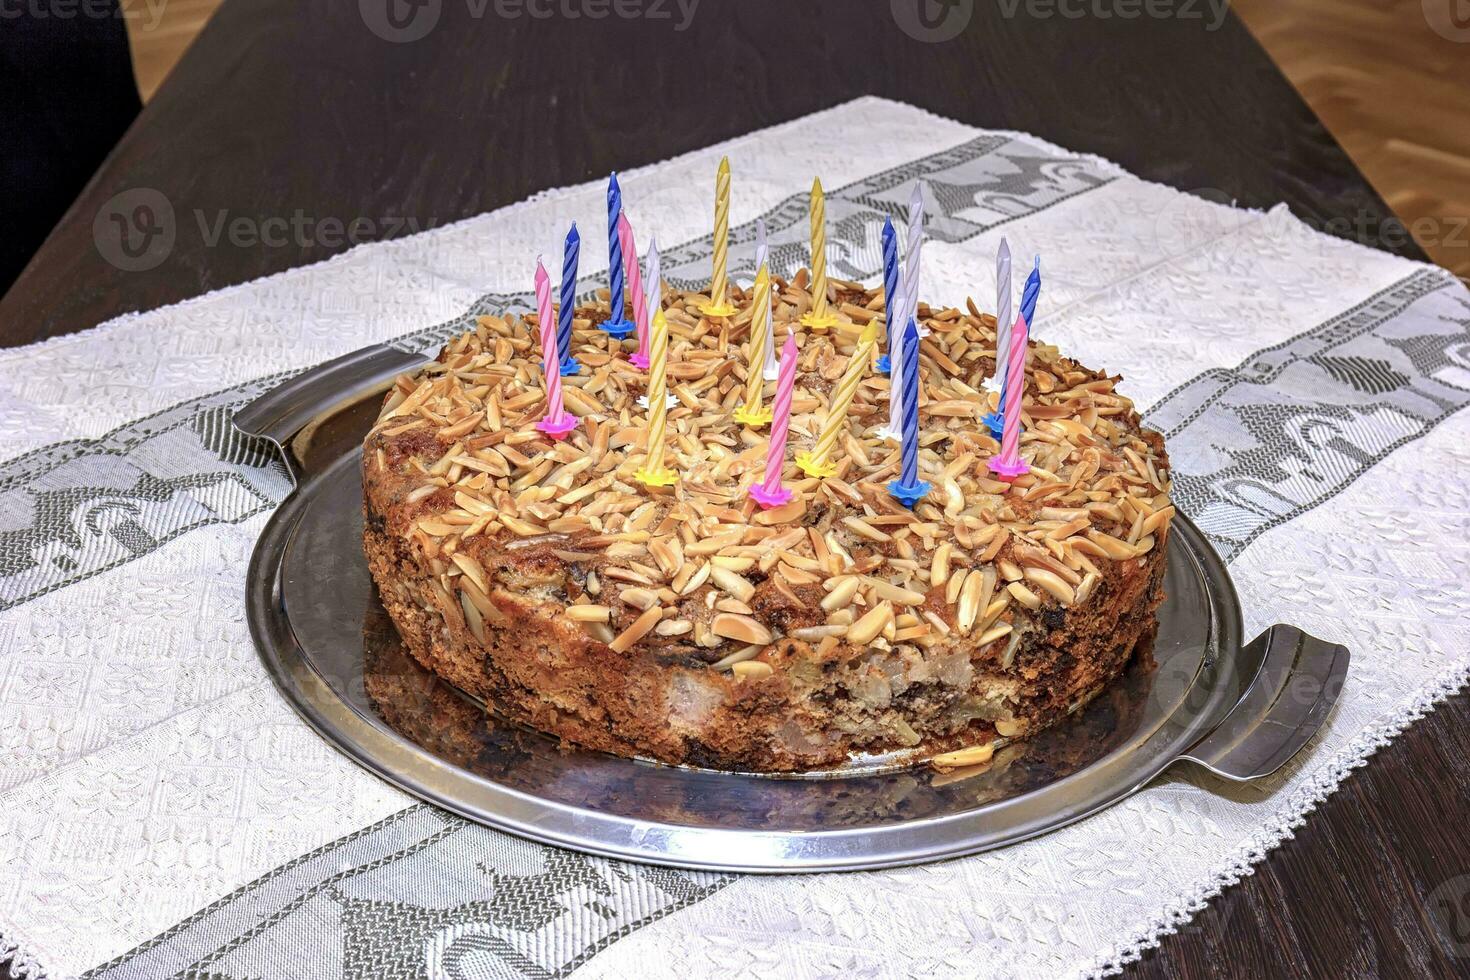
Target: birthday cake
<point>689,625</point>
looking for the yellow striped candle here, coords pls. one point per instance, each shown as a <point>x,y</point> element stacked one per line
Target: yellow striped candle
<point>752,413</point>
<point>819,317</point>
<point>653,472</point>
<point>816,462</point>
<point>718,304</point>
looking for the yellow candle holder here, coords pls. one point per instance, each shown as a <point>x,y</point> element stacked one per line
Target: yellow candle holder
<point>655,477</point>
<point>756,419</point>
<point>819,469</point>
<point>819,322</point>
<point>718,310</point>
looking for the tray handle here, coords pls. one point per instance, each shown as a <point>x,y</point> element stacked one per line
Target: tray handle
<point>285,414</point>
<point>1282,707</point>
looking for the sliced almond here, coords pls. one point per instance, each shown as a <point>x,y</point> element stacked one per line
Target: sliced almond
<point>742,629</point>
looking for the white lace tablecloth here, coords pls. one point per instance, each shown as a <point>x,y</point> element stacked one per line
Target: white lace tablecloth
<point>162,812</point>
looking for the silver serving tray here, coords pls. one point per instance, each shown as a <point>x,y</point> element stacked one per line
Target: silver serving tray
<point>1205,697</point>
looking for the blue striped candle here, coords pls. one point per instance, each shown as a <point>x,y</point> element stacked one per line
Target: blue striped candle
<point>570,253</point>
<point>1029,294</point>
<point>890,293</point>
<point>617,324</point>
<point>908,489</point>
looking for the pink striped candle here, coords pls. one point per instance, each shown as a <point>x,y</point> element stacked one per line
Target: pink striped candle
<point>1008,464</point>
<point>635,279</point>
<point>771,493</point>
<point>652,302</point>
<point>558,421</point>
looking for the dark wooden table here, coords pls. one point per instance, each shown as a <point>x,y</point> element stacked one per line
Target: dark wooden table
<point>284,108</point>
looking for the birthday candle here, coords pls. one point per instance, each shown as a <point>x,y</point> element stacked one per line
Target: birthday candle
<point>652,302</point>
<point>771,493</point>
<point>572,250</point>
<point>616,325</point>
<point>557,422</point>
<point>760,328</point>
<point>635,279</point>
<point>814,463</point>
<point>653,472</point>
<point>819,317</point>
<point>891,302</point>
<point>762,257</point>
<point>911,259</point>
<point>718,305</point>
<point>1029,294</point>
<point>1002,312</point>
<point>1008,464</point>
<point>908,488</point>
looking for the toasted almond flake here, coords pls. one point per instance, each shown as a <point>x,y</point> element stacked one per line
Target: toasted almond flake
<point>1024,595</point>
<point>863,529</point>
<point>732,583</point>
<point>636,631</point>
<point>894,593</point>
<point>972,600</point>
<point>751,670</point>
<point>842,593</point>
<point>472,616</point>
<point>639,598</point>
<point>811,634</point>
<point>696,579</point>
<point>1011,727</point>
<point>1053,583</point>
<point>973,756</point>
<point>673,627</point>
<point>874,622</point>
<point>741,628</point>
<point>1111,546</point>
<point>471,568</point>
<point>590,613</point>
<point>993,634</point>
<point>939,565</point>
<point>739,656</point>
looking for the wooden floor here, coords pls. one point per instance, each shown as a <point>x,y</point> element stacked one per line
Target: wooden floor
<point>1393,91</point>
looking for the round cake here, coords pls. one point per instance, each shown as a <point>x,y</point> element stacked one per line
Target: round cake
<point>686,624</point>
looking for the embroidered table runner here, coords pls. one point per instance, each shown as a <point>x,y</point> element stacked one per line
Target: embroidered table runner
<point>164,813</point>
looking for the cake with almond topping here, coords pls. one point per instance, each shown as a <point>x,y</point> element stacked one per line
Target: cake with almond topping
<point>689,626</point>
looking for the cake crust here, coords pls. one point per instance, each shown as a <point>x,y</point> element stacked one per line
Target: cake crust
<point>691,627</point>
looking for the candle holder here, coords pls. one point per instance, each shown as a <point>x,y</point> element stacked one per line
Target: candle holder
<point>909,494</point>
<point>884,365</point>
<point>814,467</point>
<point>768,498</point>
<point>569,365</point>
<point>996,423</point>
<point>669,400</point>
<point>1006,469</point>
<point>820,324</point>
<point>639,361</point>
<point>657,477</point>
<point>718,310</point>
<point>619,328</point>
<point>756,419</point>
<point>557,428</point>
